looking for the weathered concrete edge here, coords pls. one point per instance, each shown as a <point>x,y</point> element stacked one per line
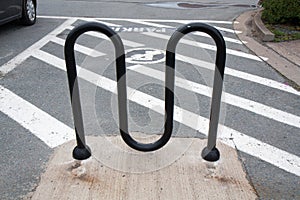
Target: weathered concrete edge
<point>266,35</point>
<point>62,171</point>
<point>286,68</point>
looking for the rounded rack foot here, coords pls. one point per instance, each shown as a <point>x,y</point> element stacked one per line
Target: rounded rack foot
<point>80,153</point>
<point>210,155</point>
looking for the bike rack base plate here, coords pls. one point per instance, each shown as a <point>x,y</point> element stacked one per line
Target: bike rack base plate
<point>190,177</point>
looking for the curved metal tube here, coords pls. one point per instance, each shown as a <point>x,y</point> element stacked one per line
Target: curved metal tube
<point>121,87</point>
<point>169,89</point>
<point>218,79</point>
<point>82,151</point>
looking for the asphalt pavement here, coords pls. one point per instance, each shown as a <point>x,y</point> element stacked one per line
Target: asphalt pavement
<point>260,110</point>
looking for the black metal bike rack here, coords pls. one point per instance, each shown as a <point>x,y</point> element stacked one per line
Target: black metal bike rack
<point>82,151</point>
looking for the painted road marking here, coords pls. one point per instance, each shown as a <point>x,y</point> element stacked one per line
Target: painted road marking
<point>224,29</point>
<point>102,36</point>
<point>243,75</point>
<point>211,66</point>
<point>228,71</point>
<point>10,65</point>
<point>145,56</point>
<point>207,46</point>
<point>130,19</point>
<point>87,19</point>
<point>47,128</point>
<point>227,39</point>
<point>247,144</point>
<point>82,49</point>
<point>152,24</point>
<point>138,29</point>
<point>163,29</point>
<point>147,22</point>
<point>228,98</point>
<point>195,33</point>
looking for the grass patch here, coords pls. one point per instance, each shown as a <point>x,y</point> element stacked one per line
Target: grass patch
<point>284,32</point>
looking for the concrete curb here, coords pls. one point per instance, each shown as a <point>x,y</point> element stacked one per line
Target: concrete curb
<point>265,34</point>
<point>288,69</point>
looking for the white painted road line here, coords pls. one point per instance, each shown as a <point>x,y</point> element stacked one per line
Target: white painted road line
<point>243,75</point>
<point>227,39</point>
<point>211,66</point>
<point>268,153</point>
<point>234,100</point>
<point>171,20</point>
<point>206,46</point>
<point>147,22</point>
<point>41,124</point>
<point>10,65</point>
<point>129,19</point>
<point>160,25</point>
<point>87,19</point>
<point>79,48</point>
<point>225,29</point>
<point>247,144</point>
<point>229,71</point>
<point>102,36</point>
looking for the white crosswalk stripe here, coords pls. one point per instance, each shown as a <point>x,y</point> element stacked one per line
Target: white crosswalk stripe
<point>236,73</point>
<point>15,106</point>
<point>240,102</point>
<point>206,46</point>
<point>41,124</point>
<point>245,143</point>
<point>79,48</point>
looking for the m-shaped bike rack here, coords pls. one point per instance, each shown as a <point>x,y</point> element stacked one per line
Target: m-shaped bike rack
<point>82,151</point>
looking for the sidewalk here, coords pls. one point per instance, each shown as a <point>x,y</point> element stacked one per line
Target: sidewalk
<point>187,177</point>
<point>284,57</point>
